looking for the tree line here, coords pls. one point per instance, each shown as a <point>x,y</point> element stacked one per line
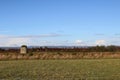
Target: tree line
<point>110,48</point>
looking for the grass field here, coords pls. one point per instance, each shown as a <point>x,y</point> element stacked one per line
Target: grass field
<point>83,69</point>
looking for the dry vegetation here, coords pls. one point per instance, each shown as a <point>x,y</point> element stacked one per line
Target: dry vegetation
<point>42,53</point>
<point>59,55</point>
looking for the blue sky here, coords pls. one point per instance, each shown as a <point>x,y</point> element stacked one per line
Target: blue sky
<point>59,22</point>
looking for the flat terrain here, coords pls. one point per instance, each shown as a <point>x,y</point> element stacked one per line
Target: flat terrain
<point>83,69</point>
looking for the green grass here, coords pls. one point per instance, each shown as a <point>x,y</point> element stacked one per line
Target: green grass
<point>83,69</point>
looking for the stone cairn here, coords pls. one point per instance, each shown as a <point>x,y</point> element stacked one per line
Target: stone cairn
<point>23,49</point>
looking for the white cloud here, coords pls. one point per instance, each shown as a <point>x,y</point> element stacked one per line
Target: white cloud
<point>42,35</point>
<point>42,40</point>
<point>78,41</point>
<point>32,36</point>
<point>6,42</point>
<point>18,41</point>
<point>100,34</point>
<point>36,40</point>
<point>100,42</point>
<point>3,36</point>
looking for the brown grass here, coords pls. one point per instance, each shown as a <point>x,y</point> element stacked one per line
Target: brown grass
<point>60,55</point>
